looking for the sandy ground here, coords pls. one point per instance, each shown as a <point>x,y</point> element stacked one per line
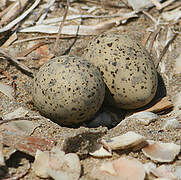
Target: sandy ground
<point>48,129</point>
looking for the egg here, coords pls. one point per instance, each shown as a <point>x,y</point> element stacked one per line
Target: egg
<point>127,69</point>
<point>68,90</point>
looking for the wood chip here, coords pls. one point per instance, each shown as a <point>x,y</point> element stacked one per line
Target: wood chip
<point>162,105</point>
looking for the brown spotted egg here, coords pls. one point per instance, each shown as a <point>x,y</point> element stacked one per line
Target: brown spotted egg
<point>68,90</point>
<point>126,67</point>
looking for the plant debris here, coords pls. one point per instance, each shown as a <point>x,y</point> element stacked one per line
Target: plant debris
<point>115,143</point>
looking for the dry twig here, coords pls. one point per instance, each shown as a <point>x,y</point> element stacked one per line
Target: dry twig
<point>159,5</point>
<point>165,49</point>
<point>18,119</point>
<point>14,11</point>
<point>61,25</point>
<point>18,64</point>
<point>42,37</point>
<point>153,37</point>
<point>34,47</point>
<point>20,18</point>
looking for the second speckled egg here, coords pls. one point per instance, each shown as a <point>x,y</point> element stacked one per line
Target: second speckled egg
<point>126,67</point>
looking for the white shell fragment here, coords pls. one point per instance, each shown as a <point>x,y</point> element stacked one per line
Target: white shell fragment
<point>57,165</point>
<point>18,113</point>
<point>100,152</point>
<point>178,172</point>
<point>177,100</point>
<point>164,171</point>
<point>171,123</point>
<point>149,166</point>
<point>119,169</point>
<point>173,15</point>
<point>40,165</point>
<point>161,152</point>
<point>2,162</point>
<point>178,65</point>
<point>144,117</point>
<point>7,90</point>
<point>128,140</point>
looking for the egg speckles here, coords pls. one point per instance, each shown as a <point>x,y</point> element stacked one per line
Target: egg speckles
<point>68,90</point>
<point>126,67</point>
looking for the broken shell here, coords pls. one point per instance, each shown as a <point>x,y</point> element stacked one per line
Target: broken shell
<point>40,165</point>
<point>177,101</point>
<point>100,152</point>
<point>122,168</point>
<point>57,164</point>
<point>165,172</point>
<point>128,140</point>
<point>144,117</point>
<point>178,171</point>
<point>178,65</point>
<point>2,162</point>
<point>149,166</point>
<point>171,123</point>
<point>161,152</point>
<point>18,113</point>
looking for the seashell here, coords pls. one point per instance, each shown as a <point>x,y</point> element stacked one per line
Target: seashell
<point>178,65</point>
<point>57,165</point>
<point>40,165</point>
<point>177,101</point>
<point>2,162</point>
<point>100,152</point>
<point>125,141</point>
<point>18,113</point>
<point>164,171</point>
<point>7,90</point>
<point>149,166</point>
<point>122,168</point>
<point>161,152</point>
<point>171,123</point>
<point>145,117</point>
<point>178,171</point>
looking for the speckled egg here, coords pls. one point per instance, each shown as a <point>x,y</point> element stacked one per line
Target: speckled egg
<point>126,67</point>
<point>68,90</point>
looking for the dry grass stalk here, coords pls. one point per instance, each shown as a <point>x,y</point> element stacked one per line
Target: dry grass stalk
<point>150,16</point>
<point>34,47</point>
<point>18,64</point>
<point>14,11</point>
<point>146,38</point>
<point>173,6</point>
<point>81,29</point>
<point>20,18</point>
<point>6,10</point>
<point>42,37</point>
<point>61,25</point>
<point>153,37</point>
<point>11,39</point>
<point>19,119</point>
<point>165,49</point>
<point>160,6</point>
